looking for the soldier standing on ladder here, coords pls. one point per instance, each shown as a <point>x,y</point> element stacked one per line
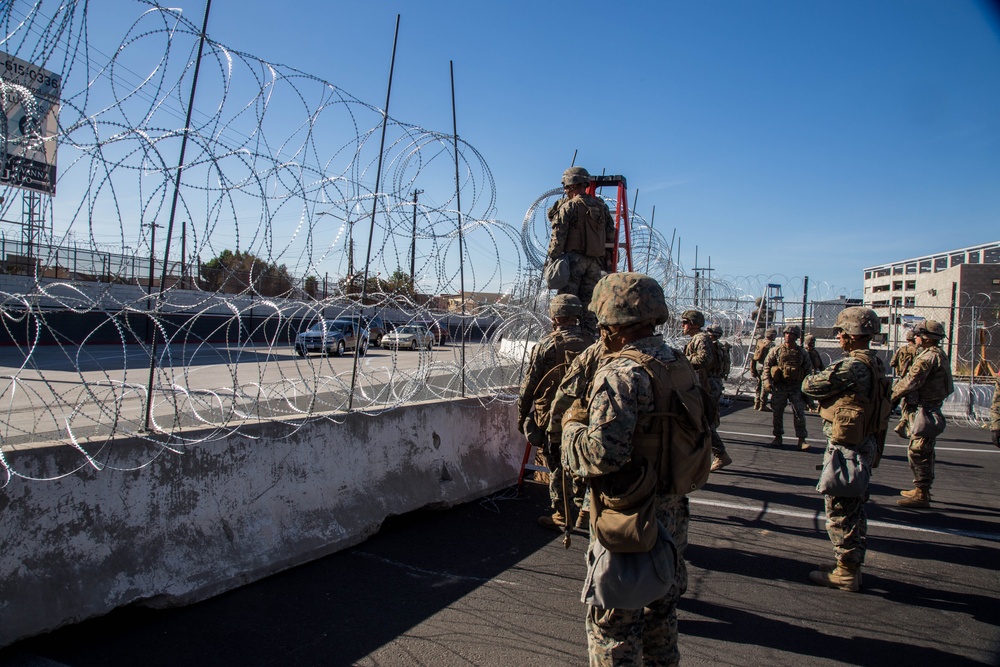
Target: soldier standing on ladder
<point>583,233</point>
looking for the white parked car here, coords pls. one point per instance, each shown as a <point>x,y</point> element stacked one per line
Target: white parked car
<point>410,336</point>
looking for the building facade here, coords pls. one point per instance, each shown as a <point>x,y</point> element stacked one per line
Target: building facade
<point>959,288</point>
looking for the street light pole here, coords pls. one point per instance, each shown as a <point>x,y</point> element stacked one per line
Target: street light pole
<point>413,246</point>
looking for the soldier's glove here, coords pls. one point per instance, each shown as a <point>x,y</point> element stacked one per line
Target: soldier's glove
<point>534,434</point>
<point>996,438</point>
<point>576,413</point>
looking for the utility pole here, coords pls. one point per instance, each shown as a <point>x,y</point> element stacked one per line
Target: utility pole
<point>413,246</point>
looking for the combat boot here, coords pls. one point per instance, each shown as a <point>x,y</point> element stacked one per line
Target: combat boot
<point>555,522</point>
<point>776,442</point>
<point>900,429</point>
<point>920,498</point>
<point>912,492</point>
<point>845,576</point>
<point>830,567</point>
<point>757,405</point>
<point>803,445</point>
<point>583,520</point>
<point>721,461</point>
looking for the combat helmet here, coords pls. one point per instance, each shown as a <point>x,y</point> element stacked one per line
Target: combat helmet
<point>695,317</point>
<point>858,321</point>
<point>715,330</point>
<point>575,175</point>
<point>910,335</point>
<point>809,339</point>
<point>628,298</point>
<point>794,330</point>
<point>565,305</point>
<point>771,333</point>
<point>929,329</point>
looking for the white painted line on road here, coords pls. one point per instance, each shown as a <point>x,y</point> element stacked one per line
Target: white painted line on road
<point>816,516</point>
<point>939,448</point>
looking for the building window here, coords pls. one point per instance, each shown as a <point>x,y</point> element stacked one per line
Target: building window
<point>880,288</point>
<point>974,257</point>
<point>880,304</point>
<point>911,284</point>
<point>868,275</point>
<point>897,270</point>
<point>897,285</point>
<point>940,264</point>
<point>925,266</point>
<point>897,301</point>
<point>911,269</point>
<point>958,259</point>
<point>991,256</point>
<point>909,302</point>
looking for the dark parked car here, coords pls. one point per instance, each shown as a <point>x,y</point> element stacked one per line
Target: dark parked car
<point>376,327</point>
<point>439,332</point>
<point>331,337</point>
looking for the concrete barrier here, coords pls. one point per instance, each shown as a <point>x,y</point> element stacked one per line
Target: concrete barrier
<point>215,516</point>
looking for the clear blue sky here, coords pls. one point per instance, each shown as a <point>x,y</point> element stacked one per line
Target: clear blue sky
<point>781,137</point>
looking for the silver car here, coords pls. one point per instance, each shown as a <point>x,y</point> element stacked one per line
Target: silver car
<point>410,336</point>
<point>331,337</point>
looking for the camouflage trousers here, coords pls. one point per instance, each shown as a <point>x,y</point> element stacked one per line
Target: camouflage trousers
<point>846,520</point>
<point>715,391</point>
<point>577,487</point>
<point>759,395</point>
<point>920,455</point>
<point>780,397</point>
<point>645,636</point>
<point>584,272</point>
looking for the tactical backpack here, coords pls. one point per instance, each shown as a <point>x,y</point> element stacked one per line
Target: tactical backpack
<point>545,390</point>
<point>588,235</point>
<point>675,441</point>
<point>844,412</point>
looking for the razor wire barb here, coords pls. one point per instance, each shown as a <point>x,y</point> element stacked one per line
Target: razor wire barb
<point>279,172</point>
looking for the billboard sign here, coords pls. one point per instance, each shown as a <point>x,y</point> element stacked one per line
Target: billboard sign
<point>30,97</point>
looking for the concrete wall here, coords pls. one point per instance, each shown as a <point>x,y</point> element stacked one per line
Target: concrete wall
<point>213,517</point>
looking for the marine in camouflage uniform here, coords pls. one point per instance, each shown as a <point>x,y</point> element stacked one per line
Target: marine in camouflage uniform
<point>817,363</point>
<point>846,520</point>
<point>927,383</point>
<point>764,345</point>
<point>704,357</point>
<point>597,440</point>
<point>784,369</point>
<point>584,232</point>
<point>555,349</point>
<point>903,357</point>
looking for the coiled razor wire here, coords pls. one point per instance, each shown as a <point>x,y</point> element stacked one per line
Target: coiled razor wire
<point>278,173</point>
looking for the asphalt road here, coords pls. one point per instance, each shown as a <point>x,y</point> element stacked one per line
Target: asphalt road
<point>482,584</point>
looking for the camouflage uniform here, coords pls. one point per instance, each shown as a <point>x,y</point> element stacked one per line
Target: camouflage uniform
<point>703,355</point>
<point>552,350</point>
<point>817,363</point>
<point>764,345</point>
<point>619,394</point>
<point>571,218</point>
<point>846,521</point>
<point>625,393</point>
<point>785,390</point>
<point>902,358</point>
<point>927,382</point>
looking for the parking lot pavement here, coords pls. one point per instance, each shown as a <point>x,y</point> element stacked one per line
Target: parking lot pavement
<point>483,584</point>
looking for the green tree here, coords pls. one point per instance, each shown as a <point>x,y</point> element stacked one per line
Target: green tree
<point>238,272</point>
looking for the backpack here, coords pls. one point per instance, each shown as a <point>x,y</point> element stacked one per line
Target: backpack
<point>675,441</point>
<point>843,411</point>
<point>545,390</point>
